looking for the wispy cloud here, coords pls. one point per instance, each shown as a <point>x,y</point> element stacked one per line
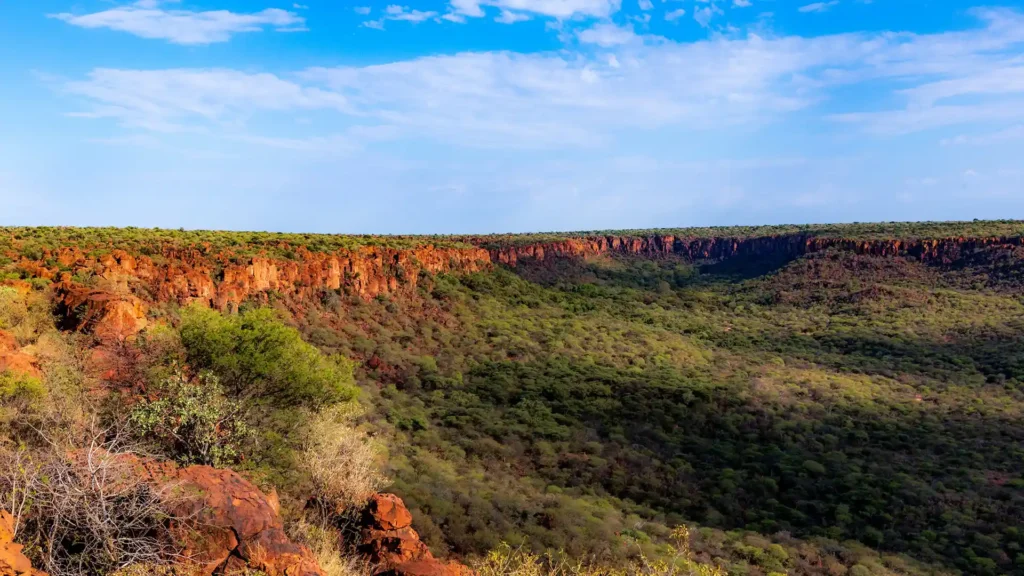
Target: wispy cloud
<point>395,12</point>
<point>193,100</point>
<point>510,17</point>
<point>607,35</point>
<point>818,6</point>
<point>401,13</point>
<point>1006,135</point>
<point>147,19</point>
<point>582,98</point>
<point>553,8</point>
<point>673,15</point>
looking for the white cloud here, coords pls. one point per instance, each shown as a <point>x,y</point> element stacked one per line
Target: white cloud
<point>300,6</point>
<point>362,10</point>
<point>1006,135</point>
<point>607,35</point>
<point>395,12</point>
<point>645,4</point>
<point>582,98</point>
<point>996,81</point>
<point>704,15</point>
<point>147,20</point>
<point>674,15</point>
<point>509,17</point>
<point>560,9</point>
<point>818,6</point>
<point>401,13</point>
<point>741,3</point>
<point>193,100</point>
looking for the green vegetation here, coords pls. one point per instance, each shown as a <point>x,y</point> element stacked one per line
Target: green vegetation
<point>842,398</point>
<point>838,414</point>
<point>33,243</point>
<point>259,359</point>
<point>192,420</point>
<point>860,231</point>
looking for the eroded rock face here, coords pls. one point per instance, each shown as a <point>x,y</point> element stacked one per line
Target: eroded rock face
<point>12,561</point>
<point>110,315</point>
<point>394,548</point>
<point>931,251</point>
<point>231,524</point>
<point>14,359</point>
<point>125,285</point>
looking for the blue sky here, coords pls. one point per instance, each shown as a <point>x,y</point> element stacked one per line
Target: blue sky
<point>466,116</point>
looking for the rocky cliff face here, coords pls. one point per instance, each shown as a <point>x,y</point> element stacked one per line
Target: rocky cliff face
<point>112,294</point>
<point>936,251</point>
<point>121,286</point>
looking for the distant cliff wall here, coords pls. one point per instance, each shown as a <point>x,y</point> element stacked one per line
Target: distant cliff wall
<point>112,294</point>
<point>944,250</point>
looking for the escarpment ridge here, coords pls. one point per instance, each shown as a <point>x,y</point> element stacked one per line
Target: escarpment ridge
<point>932,251</point>
<point>107,280</point>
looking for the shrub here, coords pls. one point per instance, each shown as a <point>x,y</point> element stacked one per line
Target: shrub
<point>20,395</point>
<point>323,542</point>
<point>192,420</point>
<point>341,461</point>
<point>24,316</point>
<point>85,513</point>
<point>16,386</point>
<point>258,358</point>
<point>508,561</point>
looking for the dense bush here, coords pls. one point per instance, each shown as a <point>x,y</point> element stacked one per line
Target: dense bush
<point>86,511</point>
<point>259,359</point>
<point>836,415</point>
<point>191,420</point>
<point>842,398</point>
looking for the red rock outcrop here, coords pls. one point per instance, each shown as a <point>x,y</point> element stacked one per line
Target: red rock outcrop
<point>108,315</point>
<point>394,548</point>
<point>124,285</point>
<point>12,561</point>
<point>219,280</point>
<point>935,251</point>
<point>15,359</point>
<point>231,524</point>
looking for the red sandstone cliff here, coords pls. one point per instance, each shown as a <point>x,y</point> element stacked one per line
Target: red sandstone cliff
<point>124,286</point>
<point>936,251</point>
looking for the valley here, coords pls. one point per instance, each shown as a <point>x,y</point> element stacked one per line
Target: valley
<point>834,400</point>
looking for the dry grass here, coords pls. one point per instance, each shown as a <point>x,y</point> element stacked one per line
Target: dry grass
<point>88,512</point>
<point>325,544</point>
<point>341,460</point>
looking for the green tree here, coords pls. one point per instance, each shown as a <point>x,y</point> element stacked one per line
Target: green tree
<point>258,358</point>
<point>193,420</point>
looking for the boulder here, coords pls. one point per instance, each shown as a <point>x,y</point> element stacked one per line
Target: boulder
<point>109,315</point>
<point>15,359</point>
<point>394,548</point>
<point>12,561</point>
<point>228,523</point>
